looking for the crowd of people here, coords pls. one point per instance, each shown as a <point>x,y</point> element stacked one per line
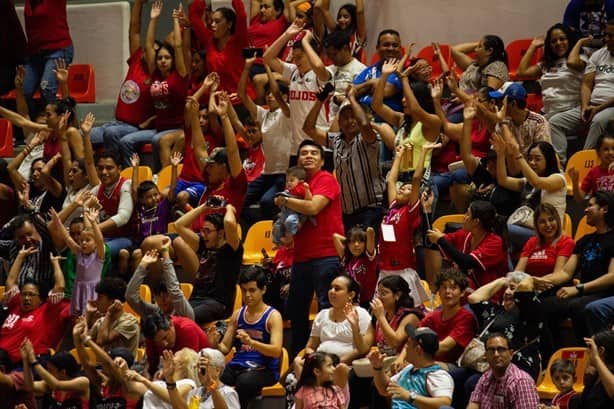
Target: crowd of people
<point>270,113</point>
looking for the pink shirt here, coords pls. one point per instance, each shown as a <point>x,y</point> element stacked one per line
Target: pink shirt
<point>333,397</point>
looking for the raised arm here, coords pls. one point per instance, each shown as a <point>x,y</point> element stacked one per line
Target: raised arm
<point>90,215</point>
<point>11,279</point>
<point>57,226</point>
<point>366,130</point>
<point>393,175</point>
<point>231,232</point>
<point>573,59</point>
<point>248,103</point>
<point>531,71</point>
<point>361,342</point>
<point>88,150</point>
<point>314,59</point>
<point>323,19</point>
<point>274,89</point>
<point>134,32</point>
<point>183,226</point>
<point>150,53</point>
<point>459,54</point>
<point>271,53</point>
<point>196,11</point>
<point>18,120</point>
<point>486,292</point>
<point>309,126</point>
<point>471,162</point>
<point>198,140</point>
<point>503,180</point>
<point>361,21</point>
<point>135,161</point>
<point>180,61</point>
<point>133,289</point>
<point>234,160</point>
<point>12,168</point>
<point>431,122</point>
<point>384,111</point>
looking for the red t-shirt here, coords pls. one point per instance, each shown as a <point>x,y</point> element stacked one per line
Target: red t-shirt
<point>262,35</point>
<point>562,400</point>
<point>490,255</point>
<point>461,328</point>
<point>190,170</point>
<point>44,326</point>
<point>445,156</point>
<point>254,163</point>
<point>134,103</point>
<point>168,96</point>
<point>229,62</point>
<point>480,139</point>
<point>231,189</point>
<point>541,259</point>
<point>363,269</point>
<point>187,335</point>
<point>598,179</point>
<point>316,241</point>
<point>46,25</point>
<point>399,254</point>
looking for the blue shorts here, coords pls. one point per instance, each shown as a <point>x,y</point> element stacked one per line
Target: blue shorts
<point>194,189</point>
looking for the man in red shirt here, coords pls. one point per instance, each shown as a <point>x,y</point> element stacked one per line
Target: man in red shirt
<point>170,332</point>
<point>315,259</point>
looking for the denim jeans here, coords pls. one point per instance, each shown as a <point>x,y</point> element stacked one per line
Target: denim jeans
<point>115,245</point>
<point>262,190</point>
<point>39,74</point>
<point>316,274</point>
<point>286,224</point>
<point>110,134</point>
<point>518,236</point>
<point>600,315</point>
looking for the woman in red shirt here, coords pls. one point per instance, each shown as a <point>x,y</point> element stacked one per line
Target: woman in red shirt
<point>549,250</point>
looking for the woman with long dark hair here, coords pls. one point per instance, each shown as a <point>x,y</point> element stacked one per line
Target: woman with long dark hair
<point>598,390</point>
<point>488,68</point>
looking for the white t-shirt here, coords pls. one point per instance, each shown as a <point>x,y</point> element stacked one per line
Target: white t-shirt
<point>303,91</point>
<point>560,87</point>
<point>558,198</point>
<point>206,401</point>
<point>602,64</point>
<point>336,337</point>
<point>439,383</point>
<point>151,401</point>
<point>344,76</point>
<point>276,131</point>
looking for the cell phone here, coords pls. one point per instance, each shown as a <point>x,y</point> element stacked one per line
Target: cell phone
<point>328,88</point>
<point>249,52</point>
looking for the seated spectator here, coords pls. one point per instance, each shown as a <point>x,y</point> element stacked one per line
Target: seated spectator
<point>115,328</point>
<point>288,222</point>
<point>61,384</point>
<point>255,331</point>
<point>478,248</point>
<point>33,314</point>
<point>358,255</point>
<point>422,383</point>
<point>592,263</point>
<point>388,47</point>
<point>560,70</point>
<point>212,393</point>
<point>542,181</point>
<point>595,108</point>
<point>350,21</point>
<point>488,69</point>
<point>323,380</point>
<point>563,374</point>
<point>12,387</point>
<point>356,154</point>
<point>212,257</point>
<point>167,294</point>
<point>134,109</point>
<point>180,371</point>
<point>599,177</point>
<point>504,383</point>
<point>163,332</point>
<point>598,383</point>
<point>110,380</point>
<point>550,248</point>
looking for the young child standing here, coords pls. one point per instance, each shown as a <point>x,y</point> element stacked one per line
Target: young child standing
<point>289,222</point>
<point>563,374</point>
<point>357,251</point>
<point>322,383</point>
<point>396,245</point>
<point>600,177</point>
<point>89,252</point>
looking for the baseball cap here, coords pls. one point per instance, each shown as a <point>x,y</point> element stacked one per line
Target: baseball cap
<point>219,155</point>
<point>425,337</point>
<point>514,91</point>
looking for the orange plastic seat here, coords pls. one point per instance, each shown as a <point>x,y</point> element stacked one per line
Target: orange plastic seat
<point>238,298</point>
<point>145,173</point>
<point>579,356</point>
<point>428,54</point>
<point>82,82</point>
<point>6,138</point>
<point>277,390</point>
<point>90,355</point>
<point>187,289</point>
<point>568,225</point>
<point>259,237</point>
<point>145,292</point>
<point>434,299</point>
<point>164,177</point>
<point>515,51</point>
<point>1,292</point>
<point>440,223</point>
<point>583,229</point>
<point>582,161</point>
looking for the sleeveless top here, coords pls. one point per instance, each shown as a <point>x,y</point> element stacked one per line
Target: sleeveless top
<point>380,340</point>
<point>416,139</point>
<point>110,205</point>
<point>65,400</point>
<point>248,357</point>
<point>413,379</point>
<point>114,399</point>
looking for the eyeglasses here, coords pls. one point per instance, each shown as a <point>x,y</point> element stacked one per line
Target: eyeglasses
<point>29,294</point>
<point>499,350</point>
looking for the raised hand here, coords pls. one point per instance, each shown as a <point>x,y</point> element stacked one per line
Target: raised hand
<point>150,257</point>
<point>55,258</point>
<point>20,76</point>
<point>351,314</point>
<point>156,9</point>
<point>452,81</point>
<point>390,66</point>
<point>168,366</point>
<point>25,252</point>
<point>469,111</point>
<point>39,138</point>
<point>210,79</point>
<point>377,309</point>
<point>61,70</point>
<point>27,350</point>
<point>87,123</point>
<point>498,144</point>
<point>538,41</point>
<point>135,160</point>
<point>176,158</point>
<point>221,104</point>
<point>64,122</point>
<point>92,214</point>
<point>376,358</point>
<point>83,197</point>
<point>437,89</point>
<point>249,61</point>
<point>115,309</point>
<point>502,113</point>
<point>295,28</point>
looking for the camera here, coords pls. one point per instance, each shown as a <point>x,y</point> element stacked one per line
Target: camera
<point>215,201</point>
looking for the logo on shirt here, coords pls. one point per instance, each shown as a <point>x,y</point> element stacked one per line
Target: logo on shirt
<point>302,95</point>
<point>158,90</point>
<point>129,92</point>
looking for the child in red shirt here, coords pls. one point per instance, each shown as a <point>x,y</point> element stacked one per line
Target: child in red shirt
<point>563,374</point>
<point>600,177</point>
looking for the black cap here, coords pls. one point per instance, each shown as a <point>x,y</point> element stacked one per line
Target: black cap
<point>425,337</point>
<point>219,155</point>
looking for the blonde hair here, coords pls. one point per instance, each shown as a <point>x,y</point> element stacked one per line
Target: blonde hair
<point>190,360</point>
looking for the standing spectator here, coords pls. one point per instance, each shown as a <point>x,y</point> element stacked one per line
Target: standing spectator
<point>422,383</point>
<point>350,21</point>
<point>134,108</point>
<point>13,46</point>
<point>504,384</point>
<point>596,99</point>
<point>315,259</point>
<point>356,152</point>
<point>48,40</point>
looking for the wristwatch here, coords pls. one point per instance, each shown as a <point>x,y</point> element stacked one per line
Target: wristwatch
<point>580,288</point>
<point>412,396</point>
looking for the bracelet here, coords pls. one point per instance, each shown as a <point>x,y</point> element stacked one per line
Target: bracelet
<point>171,385</point>
<point>34,363</point>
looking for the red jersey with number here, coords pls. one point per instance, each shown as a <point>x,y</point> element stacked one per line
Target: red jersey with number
<point>134,104</point>
<point>168,96</point>
<point>400,253</point>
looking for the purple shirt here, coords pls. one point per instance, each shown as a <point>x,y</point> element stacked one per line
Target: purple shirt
<point>154,220</point>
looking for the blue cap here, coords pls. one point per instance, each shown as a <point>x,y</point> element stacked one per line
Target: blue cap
<point>514,91</point>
